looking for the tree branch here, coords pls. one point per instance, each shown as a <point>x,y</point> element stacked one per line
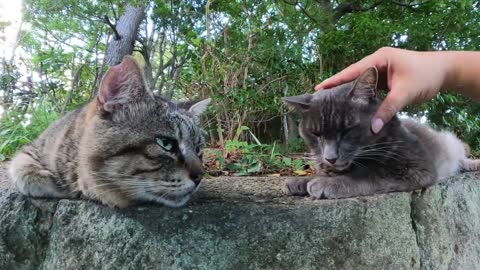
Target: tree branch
<point>115,16</point>
<point>114,28</point>
<point>354,6</point>
<point>302,9</point>
<point>306,14</point>
<point>409,5</point>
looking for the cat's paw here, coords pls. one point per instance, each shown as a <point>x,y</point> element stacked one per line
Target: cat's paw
<point>296,186</point>
<point>328,188</point>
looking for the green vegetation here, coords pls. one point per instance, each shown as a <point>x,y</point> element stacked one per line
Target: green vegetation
<point>17,130</point>
<point>246,55</point>
<point>243,158</point>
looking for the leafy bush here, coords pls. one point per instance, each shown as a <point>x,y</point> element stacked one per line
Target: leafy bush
<point>245,158</point>
<point>18,129</point>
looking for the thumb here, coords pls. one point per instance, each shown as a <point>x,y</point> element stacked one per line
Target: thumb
<point>394,102</point>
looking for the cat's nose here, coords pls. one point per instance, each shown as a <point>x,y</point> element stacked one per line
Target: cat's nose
<point>331,160</point>
<point>195,168</point>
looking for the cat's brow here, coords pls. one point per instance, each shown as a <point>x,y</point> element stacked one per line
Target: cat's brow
<point>186,128</point>
<point>137,147</point>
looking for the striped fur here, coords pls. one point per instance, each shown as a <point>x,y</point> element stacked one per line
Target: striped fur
<point>111,149</point>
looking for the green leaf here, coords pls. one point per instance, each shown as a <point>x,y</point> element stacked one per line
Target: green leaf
<point>196,41</point>
<point>287,161</point>
<point>256,167</point>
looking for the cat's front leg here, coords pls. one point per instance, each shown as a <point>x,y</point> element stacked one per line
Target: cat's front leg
<point>325,187</point>
<point>33,179</point>
<point>296,186</point>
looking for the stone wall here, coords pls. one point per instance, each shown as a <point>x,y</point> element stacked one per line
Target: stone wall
<point>247,223</point>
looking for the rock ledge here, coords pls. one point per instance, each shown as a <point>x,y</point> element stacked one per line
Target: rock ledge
<point>247,223</point>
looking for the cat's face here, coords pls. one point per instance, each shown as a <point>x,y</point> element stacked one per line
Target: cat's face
<point>336,122</point>
<point>141,146</point>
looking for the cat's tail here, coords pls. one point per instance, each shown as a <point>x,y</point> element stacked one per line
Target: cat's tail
<point>470,165</point>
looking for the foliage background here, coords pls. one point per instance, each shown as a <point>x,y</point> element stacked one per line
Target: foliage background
<point>244,54</point>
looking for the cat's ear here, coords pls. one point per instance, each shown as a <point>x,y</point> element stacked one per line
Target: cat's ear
<point>365,86</point>
<point>299,103</point>
<point>122,85</point>
<point>200,107</point>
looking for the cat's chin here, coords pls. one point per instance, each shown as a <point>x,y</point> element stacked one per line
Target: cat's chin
<point>174,202</point>
<point>338,168</point>
<point>170,201</point>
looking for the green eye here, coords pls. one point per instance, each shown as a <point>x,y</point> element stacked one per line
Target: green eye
<point>166,143</point>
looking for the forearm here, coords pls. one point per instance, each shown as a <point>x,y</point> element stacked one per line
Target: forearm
<point>462,72</point>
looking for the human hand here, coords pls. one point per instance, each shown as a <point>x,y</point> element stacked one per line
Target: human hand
<point>412,77</point>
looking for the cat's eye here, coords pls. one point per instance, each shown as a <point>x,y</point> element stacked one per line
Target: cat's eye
<point>166,143</point>
<point>346,131</point>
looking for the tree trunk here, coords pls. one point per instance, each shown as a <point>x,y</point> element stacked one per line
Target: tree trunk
<point>293,127</point>
<point>127,28</point>
<point>125,34</point>
<point>290,127</point>
<point>73,87</point>
<point>284,121</point>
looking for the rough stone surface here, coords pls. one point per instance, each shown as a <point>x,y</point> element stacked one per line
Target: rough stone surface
<point>447,222</point>
<point>247,223</point>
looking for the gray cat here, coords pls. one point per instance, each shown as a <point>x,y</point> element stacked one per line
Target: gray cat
<point>352,161</point>
<point>125,146</point>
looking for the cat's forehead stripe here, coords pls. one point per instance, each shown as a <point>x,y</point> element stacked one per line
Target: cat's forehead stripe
<point>329,113</point>
<point>185,127</point>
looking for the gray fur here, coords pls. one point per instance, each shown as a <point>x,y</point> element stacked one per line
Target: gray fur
<point>109,149</point>
<point>352,161</point>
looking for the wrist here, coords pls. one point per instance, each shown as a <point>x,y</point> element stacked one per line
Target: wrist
<point>448,64</point>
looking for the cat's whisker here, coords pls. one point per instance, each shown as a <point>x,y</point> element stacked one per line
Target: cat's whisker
<point>379,148</point>
<point>128,179</point>
<point>131,180</point>
<point>116,189</point>
<point>119,187</point>
<point>359,164</point>
<point>381,152</point>
<point>380,155</point>
<point>373,157</point>
<point>116,181</point>
<point>132,190</point>
<point>383,144</point>
<point>386,142</point>
<point>106,191</point>
<point>110,181</point>
<point>118,175</point>
<point>132,183</point>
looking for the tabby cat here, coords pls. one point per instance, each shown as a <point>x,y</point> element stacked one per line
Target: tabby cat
<point>352,161</point>
<point>125,146</point>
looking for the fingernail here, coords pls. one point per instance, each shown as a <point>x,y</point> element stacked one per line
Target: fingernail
<point>377,125</point>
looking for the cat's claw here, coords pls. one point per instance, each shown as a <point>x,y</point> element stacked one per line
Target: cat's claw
<point>296,186</point>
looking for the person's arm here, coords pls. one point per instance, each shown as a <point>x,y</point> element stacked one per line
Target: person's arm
<point>414,77</point>
<point>463,75</point>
